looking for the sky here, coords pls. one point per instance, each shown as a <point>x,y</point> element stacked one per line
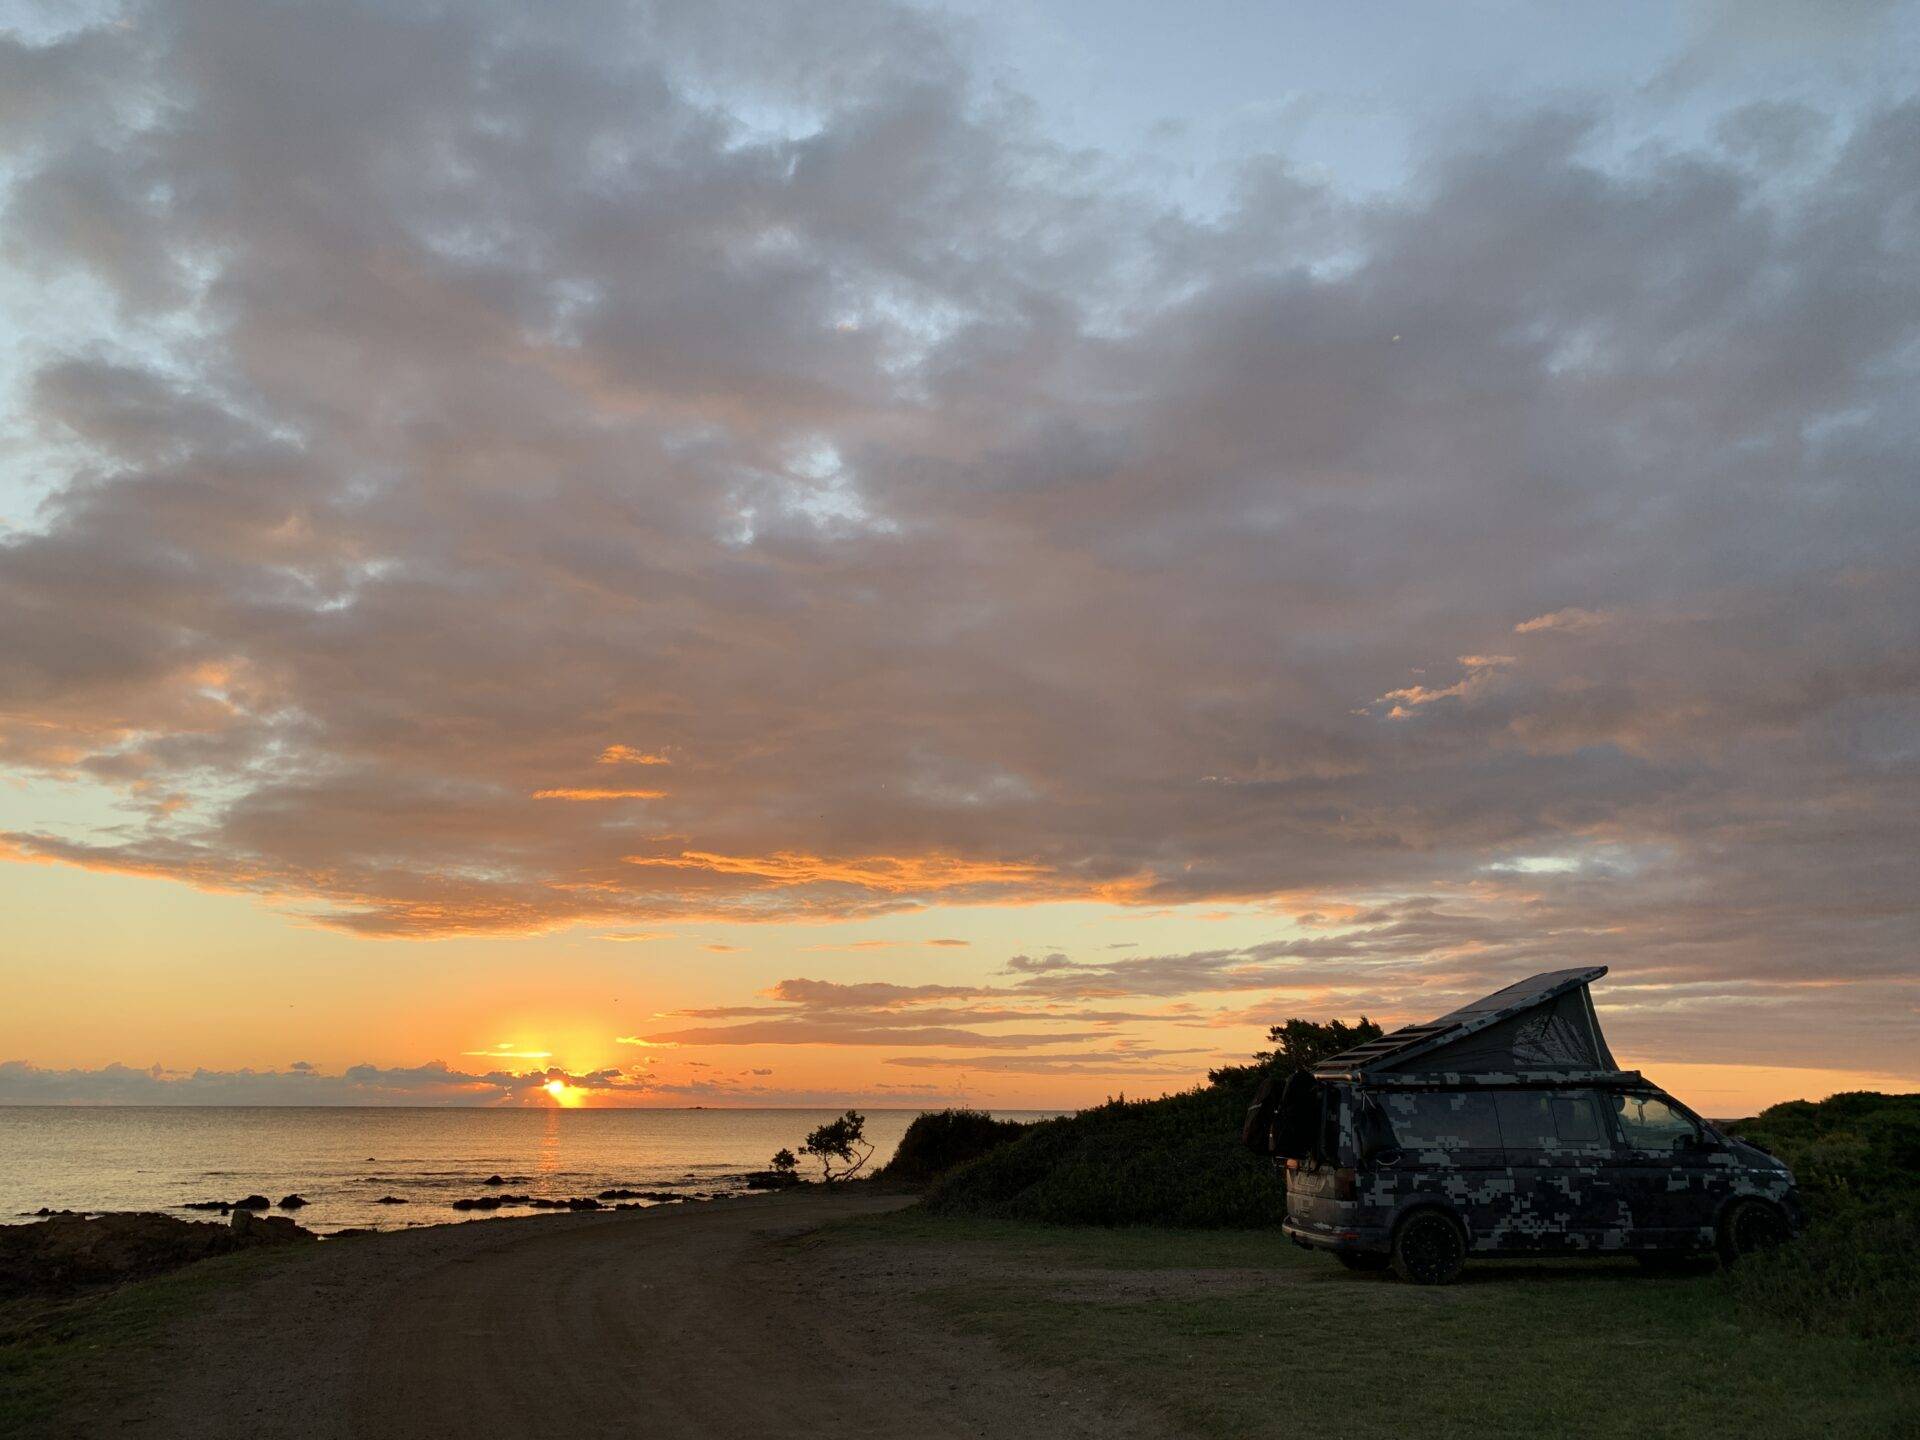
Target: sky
<point>902,554</point>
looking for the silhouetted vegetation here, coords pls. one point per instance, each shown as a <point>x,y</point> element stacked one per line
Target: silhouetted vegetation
<point>1297,1045</point>
<point>1173,1161</point>
<point>940,1140</point>
<point>843,1140</point>
<point>1857,1270</point>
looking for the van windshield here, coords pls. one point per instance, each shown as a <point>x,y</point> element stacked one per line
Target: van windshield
<point>1649,1123</point>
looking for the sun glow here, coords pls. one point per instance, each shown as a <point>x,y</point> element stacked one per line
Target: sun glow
<point>562,1093</point>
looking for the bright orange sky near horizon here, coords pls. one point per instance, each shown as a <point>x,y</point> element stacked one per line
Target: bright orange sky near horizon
<point>94,971</point>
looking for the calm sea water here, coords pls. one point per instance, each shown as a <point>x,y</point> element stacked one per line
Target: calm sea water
<point>342,1160</point>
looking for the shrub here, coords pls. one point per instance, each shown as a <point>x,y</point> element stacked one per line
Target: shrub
<point>941,1139</point>
<point>1855,1272</point>
<point>1860,1145</point>
<point>1856,1157</point>
<point>1175,1161</point>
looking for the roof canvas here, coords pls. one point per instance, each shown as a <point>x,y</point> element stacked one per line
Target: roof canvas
<point>1542,1025</point>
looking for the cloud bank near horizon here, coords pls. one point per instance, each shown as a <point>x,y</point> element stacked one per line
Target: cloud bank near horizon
<point>655,463</point>
<point>434,1083</point>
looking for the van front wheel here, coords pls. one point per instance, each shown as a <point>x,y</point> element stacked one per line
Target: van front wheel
<point>1429,1249</point>
<point>1751,1225</point>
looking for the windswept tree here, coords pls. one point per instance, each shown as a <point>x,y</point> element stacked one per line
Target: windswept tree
<point>843,1141</point>
<point>1299,1045</point>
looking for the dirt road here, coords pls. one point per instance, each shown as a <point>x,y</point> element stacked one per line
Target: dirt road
<point>699,1321</point>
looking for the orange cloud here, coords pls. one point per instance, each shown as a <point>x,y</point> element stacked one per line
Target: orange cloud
<point>894,874</point>
<point>627,755</point>
<point>596,793</point>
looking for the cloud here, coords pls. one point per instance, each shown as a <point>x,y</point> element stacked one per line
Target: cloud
<point>627,755</point>
<point>597,792</point>
<point>1571,621</point>
<point>967,524</point>
<point>430,1084</point>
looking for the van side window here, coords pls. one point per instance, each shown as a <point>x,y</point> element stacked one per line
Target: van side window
<point>1650,1123</point>
<point>1441,1120</point>
<point>1576,1120</point>
<point>1549,1123</point>
<point>1526,1119</point>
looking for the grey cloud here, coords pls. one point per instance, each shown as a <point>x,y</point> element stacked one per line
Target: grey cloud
<point>967,525</point>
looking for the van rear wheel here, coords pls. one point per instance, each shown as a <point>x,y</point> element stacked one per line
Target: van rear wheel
<point>1429,1249</point>
<point>1751,1225</point>
<point>1364,1260</point>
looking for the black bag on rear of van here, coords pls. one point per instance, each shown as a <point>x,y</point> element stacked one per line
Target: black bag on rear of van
<point>1256,1133</point>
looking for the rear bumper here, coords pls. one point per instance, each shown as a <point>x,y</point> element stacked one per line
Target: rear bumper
<point>1350,1239</point>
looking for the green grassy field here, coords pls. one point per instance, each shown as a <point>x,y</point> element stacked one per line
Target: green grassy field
<point>94,1346</point>
<point>1590,1349</point>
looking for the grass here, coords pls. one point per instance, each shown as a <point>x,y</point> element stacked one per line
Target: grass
<point>97,1343</point>
<point>1534,1349</point>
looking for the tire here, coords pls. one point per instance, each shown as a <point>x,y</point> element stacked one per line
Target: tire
<point>1750,1226</point>
<point>1429,1249</point>
<point>1365,1261</point>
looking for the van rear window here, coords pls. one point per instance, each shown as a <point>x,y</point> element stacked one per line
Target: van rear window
<point>1441,1120</point>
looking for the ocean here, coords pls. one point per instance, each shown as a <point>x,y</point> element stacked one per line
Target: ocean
<point>343,1160</point>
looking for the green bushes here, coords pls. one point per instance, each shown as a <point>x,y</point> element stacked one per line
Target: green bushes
<point>1855,1146</point>
<point>1857,1270</point>
<point>1175,1161</point>
<point>939,1140</point>
<point>1155,1162</point>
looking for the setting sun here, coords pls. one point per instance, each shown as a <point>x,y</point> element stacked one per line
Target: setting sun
<point>562,1092</point>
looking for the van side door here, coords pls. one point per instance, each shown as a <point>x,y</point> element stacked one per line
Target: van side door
<point>1567,1192</point>
<point>1447,1148</point>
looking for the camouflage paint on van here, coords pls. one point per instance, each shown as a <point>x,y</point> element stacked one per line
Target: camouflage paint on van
<point>1529,1159</point>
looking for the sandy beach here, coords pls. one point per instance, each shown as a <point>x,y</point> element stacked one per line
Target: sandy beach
<point>693,1321</point>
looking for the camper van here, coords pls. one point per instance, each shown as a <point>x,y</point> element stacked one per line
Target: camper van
<point>1506,1129</point>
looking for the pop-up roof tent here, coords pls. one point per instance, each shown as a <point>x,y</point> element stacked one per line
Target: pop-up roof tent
<point>1537,1028</point>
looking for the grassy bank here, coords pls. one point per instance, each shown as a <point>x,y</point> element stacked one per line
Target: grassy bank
<point>99,1344</point>
<point>1234,1333</point>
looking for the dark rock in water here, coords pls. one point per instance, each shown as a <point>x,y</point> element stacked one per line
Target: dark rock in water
<point>66,1252</point>
<point>661,1196</point>
<point>771,1180</point>
<point>479,1202</point>
<point>350,1230</point>
<point>389,1200</point>
<point>223,1206</point>
<point>253,1202</point>
<point>265,1229</point>
<point>292,1202</point>
<point>493,1180</point>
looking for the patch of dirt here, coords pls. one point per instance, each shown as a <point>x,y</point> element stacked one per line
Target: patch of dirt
<point>722,1320</point>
